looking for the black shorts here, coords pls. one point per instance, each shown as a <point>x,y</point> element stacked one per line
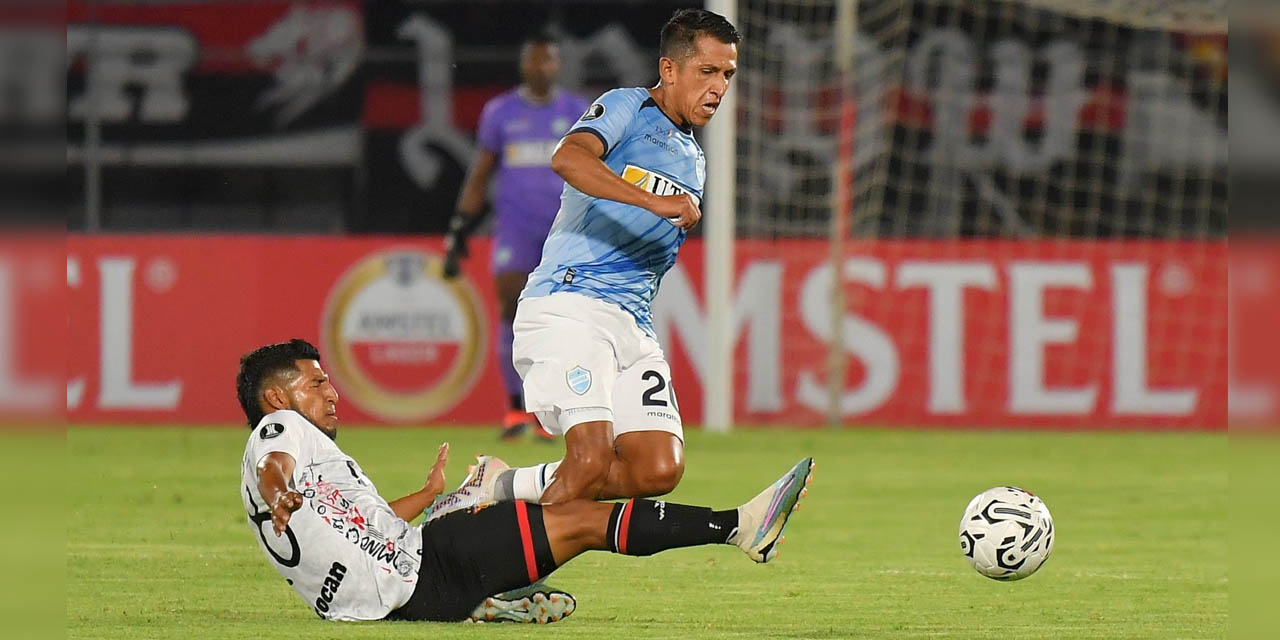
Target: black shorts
<point>467,557</point>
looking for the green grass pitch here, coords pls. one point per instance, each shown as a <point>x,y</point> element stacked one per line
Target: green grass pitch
<point>157,545</point>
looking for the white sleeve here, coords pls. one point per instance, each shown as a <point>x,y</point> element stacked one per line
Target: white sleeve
<point>283,431</point>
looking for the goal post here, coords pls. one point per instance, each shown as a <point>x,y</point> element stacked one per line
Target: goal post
<point>718,245</point>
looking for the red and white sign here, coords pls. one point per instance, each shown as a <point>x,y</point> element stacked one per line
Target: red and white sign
<point>968,333</point>
<point>971,333</point>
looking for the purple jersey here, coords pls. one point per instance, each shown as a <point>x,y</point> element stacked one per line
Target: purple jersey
<point>523,135</point>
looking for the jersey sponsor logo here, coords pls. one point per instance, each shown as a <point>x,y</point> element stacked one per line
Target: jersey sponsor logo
<point>269,431</point>
<point>406,343</point>
<point>594,111</point>
<point>655,183</point>
<point>666,145</point>
<point>330,587</point>
<point>579,380</point>
<point>529,153</point>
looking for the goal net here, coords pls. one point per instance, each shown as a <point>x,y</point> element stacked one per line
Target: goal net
<point>992,212</point>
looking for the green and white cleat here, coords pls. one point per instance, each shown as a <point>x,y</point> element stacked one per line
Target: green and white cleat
<point>476,490</point>
<point>540,607</point>
<point>762,521</point>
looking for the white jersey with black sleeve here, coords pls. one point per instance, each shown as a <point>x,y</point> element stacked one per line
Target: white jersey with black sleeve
<point>345,551</point>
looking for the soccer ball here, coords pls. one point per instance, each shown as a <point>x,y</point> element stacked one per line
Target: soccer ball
<point>1006,533</point>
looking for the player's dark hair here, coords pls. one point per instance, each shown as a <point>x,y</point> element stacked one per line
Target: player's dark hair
<point>684,27</point>
<point>261,364</point>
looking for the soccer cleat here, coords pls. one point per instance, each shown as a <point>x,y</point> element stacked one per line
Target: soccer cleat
<point>762,521</point>
<point>542,606</point>
<point>516,423</point>
<point>476,490</point>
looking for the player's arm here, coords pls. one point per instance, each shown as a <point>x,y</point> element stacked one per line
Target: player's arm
<point>577,160</point>
<point>471,200</point>
<point>274,471</point>
<point>408,507</point>
<point>470,210</point>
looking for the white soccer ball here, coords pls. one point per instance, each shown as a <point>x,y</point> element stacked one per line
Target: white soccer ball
<point>1006,533</point>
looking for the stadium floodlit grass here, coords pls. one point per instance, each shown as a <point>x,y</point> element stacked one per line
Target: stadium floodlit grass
<point>158,546</point>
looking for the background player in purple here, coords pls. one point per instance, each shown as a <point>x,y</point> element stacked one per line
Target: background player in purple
<point>518,132</point>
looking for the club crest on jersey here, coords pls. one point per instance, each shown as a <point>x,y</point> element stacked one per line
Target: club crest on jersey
<point>654,182</point>
<point>579,380</point>
<point>269,431</point>
<point>594,111</point>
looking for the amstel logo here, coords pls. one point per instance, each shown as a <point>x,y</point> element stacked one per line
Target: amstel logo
<point>406,343</point>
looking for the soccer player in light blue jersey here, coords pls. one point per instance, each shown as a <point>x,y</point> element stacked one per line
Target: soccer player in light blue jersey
<point>518,132</point>
<point>585,345</point>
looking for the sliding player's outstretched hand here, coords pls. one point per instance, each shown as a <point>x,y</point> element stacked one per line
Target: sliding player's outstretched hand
<point>679,210</point>
<point>283,509</point>
<point>435,477</point>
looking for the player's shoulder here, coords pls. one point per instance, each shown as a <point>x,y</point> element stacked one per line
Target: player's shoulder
<point>623,97</point>
<point>278,423</point>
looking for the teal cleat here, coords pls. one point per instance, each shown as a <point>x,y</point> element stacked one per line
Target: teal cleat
<point>541,607</point>
<point>762,521</point>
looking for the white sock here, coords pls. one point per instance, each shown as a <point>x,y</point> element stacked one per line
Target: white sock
<point>529,483</point>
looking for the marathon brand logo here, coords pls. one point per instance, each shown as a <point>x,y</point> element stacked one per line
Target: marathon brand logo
<point>329,588</point>
<point>662,144</point>
<point>655,183</point>
<point>665,415</point>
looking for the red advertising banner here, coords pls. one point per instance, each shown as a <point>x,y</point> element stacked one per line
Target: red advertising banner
<point>973,333</point>
<point>957,333</point>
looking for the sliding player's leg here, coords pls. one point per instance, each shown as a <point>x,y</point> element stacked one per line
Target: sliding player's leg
<point>468,555</point>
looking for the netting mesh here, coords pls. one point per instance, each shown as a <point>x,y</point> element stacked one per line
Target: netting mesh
<point>1028,118</point>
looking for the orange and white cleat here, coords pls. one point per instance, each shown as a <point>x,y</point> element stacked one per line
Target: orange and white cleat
<point>475,492</point>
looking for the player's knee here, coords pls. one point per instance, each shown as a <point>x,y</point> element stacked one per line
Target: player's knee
<point>658,477</point>
<point>586,471</point>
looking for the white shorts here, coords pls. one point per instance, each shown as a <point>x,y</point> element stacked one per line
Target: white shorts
<point>585,360</point>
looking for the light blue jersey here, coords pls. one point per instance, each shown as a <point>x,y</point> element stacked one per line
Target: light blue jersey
<point>613,251</point>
